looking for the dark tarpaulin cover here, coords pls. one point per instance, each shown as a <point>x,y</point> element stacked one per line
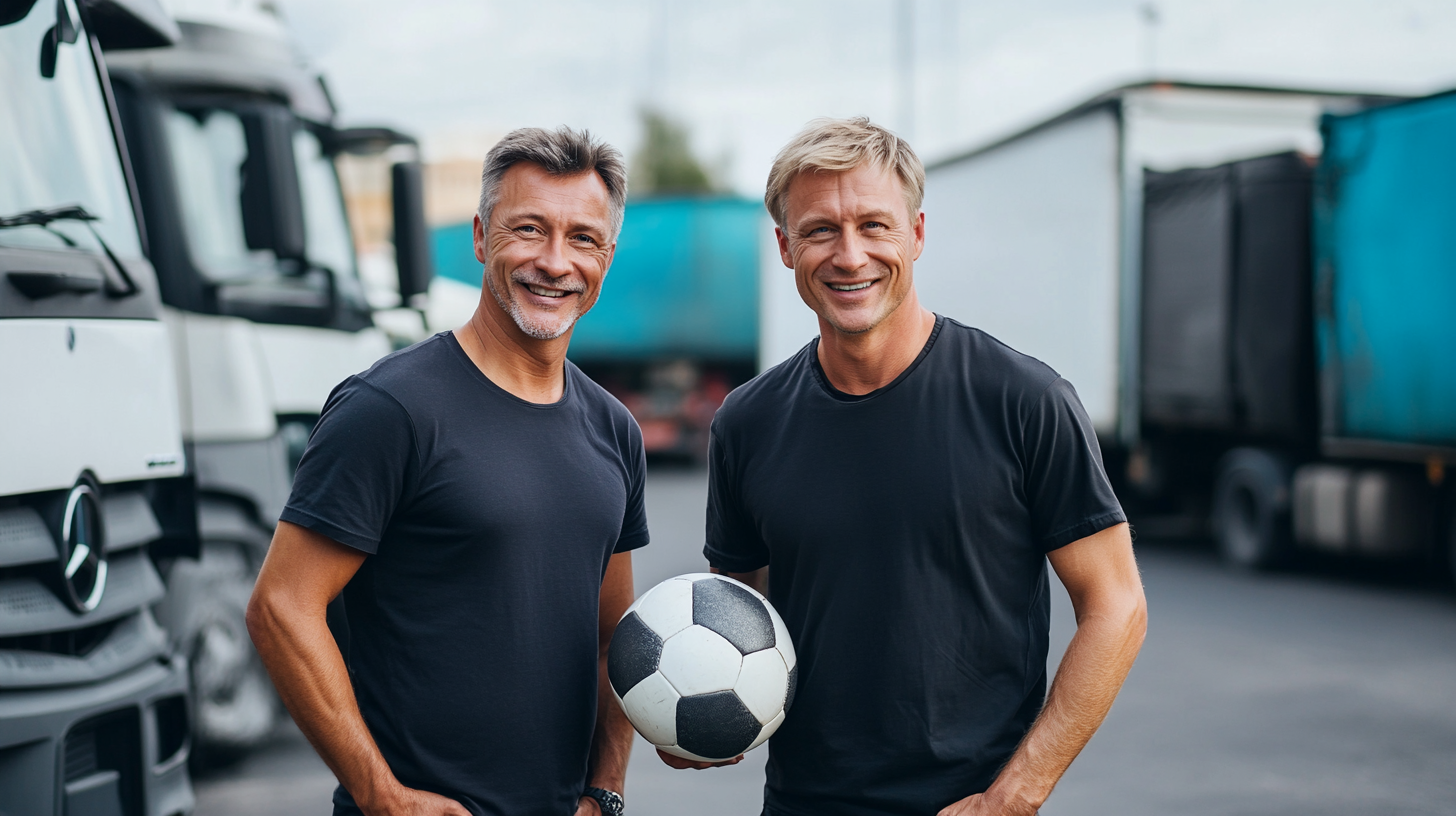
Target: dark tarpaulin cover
<point>1188,236</point>
<point>1226,338</point>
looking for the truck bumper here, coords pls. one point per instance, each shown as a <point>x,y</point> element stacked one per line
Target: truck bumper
<point>115,747</point>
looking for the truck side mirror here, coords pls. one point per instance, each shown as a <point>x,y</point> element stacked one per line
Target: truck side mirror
<point>271,198</point>
<point>411,236</point>
<point>64,31</point>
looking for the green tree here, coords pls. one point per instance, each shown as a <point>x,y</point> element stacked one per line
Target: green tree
<point>665,164</point>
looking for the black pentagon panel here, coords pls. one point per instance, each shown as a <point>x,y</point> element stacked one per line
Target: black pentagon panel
<point>734,613</point>
<point>793,686</point>
<point>633,654</point>
<point>716,725</point>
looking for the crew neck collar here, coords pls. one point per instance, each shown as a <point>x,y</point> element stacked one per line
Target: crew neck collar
<point>474,370</point>
<point>823,379</point>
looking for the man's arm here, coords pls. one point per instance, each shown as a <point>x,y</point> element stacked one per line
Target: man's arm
<point>1101,577</point>
<point>612,740</point>
<point>286,618</point>
<point>758,579</point>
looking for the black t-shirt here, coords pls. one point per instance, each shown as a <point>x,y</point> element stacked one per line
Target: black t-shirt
<point>906,532</point>
<point>489,522</point>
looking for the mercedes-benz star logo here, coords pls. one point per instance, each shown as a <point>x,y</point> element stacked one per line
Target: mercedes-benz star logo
<point>83,550</point>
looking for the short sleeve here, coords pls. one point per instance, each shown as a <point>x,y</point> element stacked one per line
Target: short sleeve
<point>634,518</point>
<point>733,542</point>
<point>356,468</point>
<point>1066,484</point>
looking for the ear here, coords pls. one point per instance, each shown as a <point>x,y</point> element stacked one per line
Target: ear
<point>919,230</point>
<point>479,232</point>
<point>784,248</point>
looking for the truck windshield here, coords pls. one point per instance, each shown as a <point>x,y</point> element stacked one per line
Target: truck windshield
<point>209,147</point>
<point>325,229</point>
<point>59,148</point>
<point>212,148</point>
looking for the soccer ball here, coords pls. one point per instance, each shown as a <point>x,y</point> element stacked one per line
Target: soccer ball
<point>703,667</point>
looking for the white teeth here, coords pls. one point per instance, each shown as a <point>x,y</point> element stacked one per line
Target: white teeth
<point>853,287</point>
<point>543,292</point>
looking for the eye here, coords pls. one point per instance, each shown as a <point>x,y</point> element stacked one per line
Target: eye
<point>874,225</point>
<point>584,238</point>
<point>528,229</point>
<point>818,231</point>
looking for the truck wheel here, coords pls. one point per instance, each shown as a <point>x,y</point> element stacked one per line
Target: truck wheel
<point>234,706</point>
<point>1251,509</point>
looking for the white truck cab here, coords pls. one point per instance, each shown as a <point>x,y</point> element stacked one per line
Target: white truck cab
<point>96,500</point>
<point>233,142</point>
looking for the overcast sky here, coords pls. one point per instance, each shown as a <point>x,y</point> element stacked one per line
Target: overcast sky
<point>746,75</point>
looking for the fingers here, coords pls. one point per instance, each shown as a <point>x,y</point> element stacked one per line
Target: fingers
<point>675,761</point>
<point>682,764</point>
<point>434,803</point>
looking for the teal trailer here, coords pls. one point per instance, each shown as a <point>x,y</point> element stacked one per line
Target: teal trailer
<point>1385,237</point>
<point>684,283</point>
<point>1385,332</point>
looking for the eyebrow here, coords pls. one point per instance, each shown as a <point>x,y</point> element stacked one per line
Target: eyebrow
<point>594,228</point>
<point>874,215</point>
<point>573,228</point>
<point>878,215</point>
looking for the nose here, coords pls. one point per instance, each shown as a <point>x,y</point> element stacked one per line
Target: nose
<point>554,260</point>
<point>849,251</point>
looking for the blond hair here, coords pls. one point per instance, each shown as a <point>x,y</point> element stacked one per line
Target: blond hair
<point>838,146</point>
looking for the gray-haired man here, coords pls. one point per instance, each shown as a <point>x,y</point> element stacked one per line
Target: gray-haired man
<point>475,498</point>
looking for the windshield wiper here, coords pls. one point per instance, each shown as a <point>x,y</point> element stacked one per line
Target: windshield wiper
<point>75,212</point>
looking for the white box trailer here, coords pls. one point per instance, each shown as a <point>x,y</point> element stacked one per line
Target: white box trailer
<point>1036,238</point>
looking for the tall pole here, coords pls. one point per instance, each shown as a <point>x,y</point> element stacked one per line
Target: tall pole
<point>1151,20</point>
<point>655,87</point>
<point>951,31</point>
<point>905,51</point>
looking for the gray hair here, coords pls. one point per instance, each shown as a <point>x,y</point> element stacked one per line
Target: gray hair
<point>560,152</point>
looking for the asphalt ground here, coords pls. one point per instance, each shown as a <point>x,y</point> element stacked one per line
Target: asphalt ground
<point>1329,691</point>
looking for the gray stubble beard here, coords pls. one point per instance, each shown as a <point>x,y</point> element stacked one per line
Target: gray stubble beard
<point>513,308</point>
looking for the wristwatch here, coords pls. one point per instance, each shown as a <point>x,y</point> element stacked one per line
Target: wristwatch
<point>610,801</point>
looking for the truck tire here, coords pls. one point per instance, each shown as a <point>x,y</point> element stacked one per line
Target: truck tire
<point>234,706</point>
<point>1251,504</point>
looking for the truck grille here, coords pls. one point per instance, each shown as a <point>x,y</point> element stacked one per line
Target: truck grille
<point>103,757</point>
<point>75,643</point>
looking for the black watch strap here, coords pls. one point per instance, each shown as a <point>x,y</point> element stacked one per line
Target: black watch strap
<point>610,801</point>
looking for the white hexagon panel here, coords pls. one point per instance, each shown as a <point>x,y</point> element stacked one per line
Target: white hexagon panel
<point>703,667</point>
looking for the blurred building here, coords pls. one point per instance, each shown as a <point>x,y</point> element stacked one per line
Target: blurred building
<point>452,190</point>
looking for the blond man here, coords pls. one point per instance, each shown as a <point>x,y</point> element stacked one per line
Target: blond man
<point>897,489</point>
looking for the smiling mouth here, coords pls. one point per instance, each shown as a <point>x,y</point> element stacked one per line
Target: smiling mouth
<point>544,292</point>
<point>850,287</point>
